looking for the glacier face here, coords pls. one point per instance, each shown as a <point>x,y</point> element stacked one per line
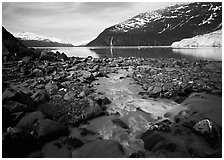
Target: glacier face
<point>213,39</point>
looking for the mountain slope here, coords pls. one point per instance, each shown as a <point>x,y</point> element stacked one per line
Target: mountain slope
<point>164,26</point>
<point>34,40</point>
<point>213,39</point>
<point>12,47</point>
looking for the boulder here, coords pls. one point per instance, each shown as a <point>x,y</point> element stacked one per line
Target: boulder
<point>51,87</point>
<point>70,96</point>
<point>100,149</point>
<point>13,106</point>
<point>28,121</point>
<point>23,98</point>
<point>46,127</point>
<point>40,96</point>
<point>209,130</point>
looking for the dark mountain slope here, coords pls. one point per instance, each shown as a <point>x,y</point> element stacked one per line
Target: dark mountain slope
<point>164,26</point>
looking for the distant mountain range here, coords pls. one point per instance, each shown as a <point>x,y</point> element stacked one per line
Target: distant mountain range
<point>164,26</point>
<point>35,40</point>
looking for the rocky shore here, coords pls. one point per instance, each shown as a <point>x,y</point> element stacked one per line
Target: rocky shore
<point>59,106</point>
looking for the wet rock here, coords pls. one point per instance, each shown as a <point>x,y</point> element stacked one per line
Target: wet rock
<point>13,106</point>
<point>46,55</point>
<point>139,154</point>
<point>7,95</point>
<point>71,95</point>
<point>37,72</point>
<point>208,129</point>
<point>47,127</point>
<point>120,123</point>
<point>17,143</point>
<point>23,98</point>
<point>40,96</point>
<point>163,144</point>
<point>100,149</point>
<point>102,100</point>
<point>66,83</point>
<point>28,121</point>
<point>56,149</point>
<point>88,76</point>
<point>51,87</point>
<point>73,142</point>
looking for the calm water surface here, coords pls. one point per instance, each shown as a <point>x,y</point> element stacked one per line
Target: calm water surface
<point>152,52</point>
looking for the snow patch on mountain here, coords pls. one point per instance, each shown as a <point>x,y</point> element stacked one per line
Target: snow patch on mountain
<point>173,12</point>
<point>33,36</point>
<point>213,39</point>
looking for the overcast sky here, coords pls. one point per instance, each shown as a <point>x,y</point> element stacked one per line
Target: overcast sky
<point>74,22</point>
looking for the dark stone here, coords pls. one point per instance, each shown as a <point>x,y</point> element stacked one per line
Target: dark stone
<point>13,106</point>
<point>100,149</point>
<point>23,98</point>
<point>28,121</point>
<point>51,87</point>
<point>40,96</point>
<point>47,127</point>
<point>73,142</point>
<point>71,95</point>
<point>139,154</point>
<point>102,100</point>
<point>6,95</point>
<point>17,143</point>
<point>120,123</point>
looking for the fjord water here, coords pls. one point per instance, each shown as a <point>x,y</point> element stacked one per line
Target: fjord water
<point>213,53</point>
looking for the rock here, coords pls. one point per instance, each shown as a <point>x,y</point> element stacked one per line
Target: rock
<point>139,154</point>
<point>102,100</point>
<point>46,127</point>
<point>156,89</point>
<point>28,121</point>
<point>26,59</point>
<point>37,72</point>
<point>71,95</point>
<point>51,87</point>
<point>73,142</point>
<point>120,123</point>
<point>23,98</point>
<point>46,55</point>
<point>208,129</point>
<point>66,83</point>
<point>13,106</point>
<point>40,96</point>
<point>6,95</point>
<point>88,76</point>
<point>163,144</point>
<point>17,143</point>
<point>56,149</point>
<point>82,94</point>
<point>100,149</point>
<point>78,111</point>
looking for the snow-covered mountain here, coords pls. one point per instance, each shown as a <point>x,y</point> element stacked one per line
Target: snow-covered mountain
<point>213,39</point>
<point>164,26</point>
<point>35,40</point>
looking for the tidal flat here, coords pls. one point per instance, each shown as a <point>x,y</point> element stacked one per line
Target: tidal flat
<point>59,106</point>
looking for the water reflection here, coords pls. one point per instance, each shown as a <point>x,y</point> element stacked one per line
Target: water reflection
<point>201,53</point>
<point>147,52</point>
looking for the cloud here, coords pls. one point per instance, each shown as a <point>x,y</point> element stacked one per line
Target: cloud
<point>73,21</point>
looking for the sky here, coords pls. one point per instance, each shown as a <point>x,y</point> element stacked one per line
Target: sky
<point>74,22</point>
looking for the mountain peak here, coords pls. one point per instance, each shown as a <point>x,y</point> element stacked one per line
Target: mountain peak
<point>26,36</point>
<point>164,26</point>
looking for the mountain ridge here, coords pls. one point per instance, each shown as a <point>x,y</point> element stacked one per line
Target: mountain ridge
<point>163,26</point>
<point>35,40</point>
